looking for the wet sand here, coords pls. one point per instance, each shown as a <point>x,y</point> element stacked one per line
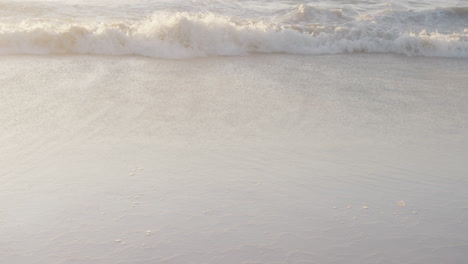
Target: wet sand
<point>262,159</point>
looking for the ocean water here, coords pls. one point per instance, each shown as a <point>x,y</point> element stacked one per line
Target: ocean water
<point>180,29</point>
<point>233,132</point>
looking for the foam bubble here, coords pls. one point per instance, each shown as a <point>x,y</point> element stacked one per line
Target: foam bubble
<point>184,34</point>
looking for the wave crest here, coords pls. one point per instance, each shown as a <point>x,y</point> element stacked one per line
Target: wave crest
<point>182,35</point>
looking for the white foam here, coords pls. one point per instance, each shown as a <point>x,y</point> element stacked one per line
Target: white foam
<point>302,30</point>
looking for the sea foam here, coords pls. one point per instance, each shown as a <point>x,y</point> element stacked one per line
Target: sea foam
<point>301,30</point>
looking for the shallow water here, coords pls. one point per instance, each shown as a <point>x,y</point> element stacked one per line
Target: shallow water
<point>256,159</point>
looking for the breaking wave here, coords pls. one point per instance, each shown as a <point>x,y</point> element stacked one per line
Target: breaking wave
<point>302,30</point>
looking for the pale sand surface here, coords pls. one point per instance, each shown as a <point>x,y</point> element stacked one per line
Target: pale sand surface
<point>261,159</point>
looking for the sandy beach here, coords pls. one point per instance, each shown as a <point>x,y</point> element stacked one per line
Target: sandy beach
<point>352,158</point>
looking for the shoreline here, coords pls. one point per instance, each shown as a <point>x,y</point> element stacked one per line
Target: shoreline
<point>273,158</point>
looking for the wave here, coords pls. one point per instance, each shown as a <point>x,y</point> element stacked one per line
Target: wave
<point>185,34</point>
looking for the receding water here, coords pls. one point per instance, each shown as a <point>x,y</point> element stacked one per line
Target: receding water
<point>257,159</point>
<point>233,132</point>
